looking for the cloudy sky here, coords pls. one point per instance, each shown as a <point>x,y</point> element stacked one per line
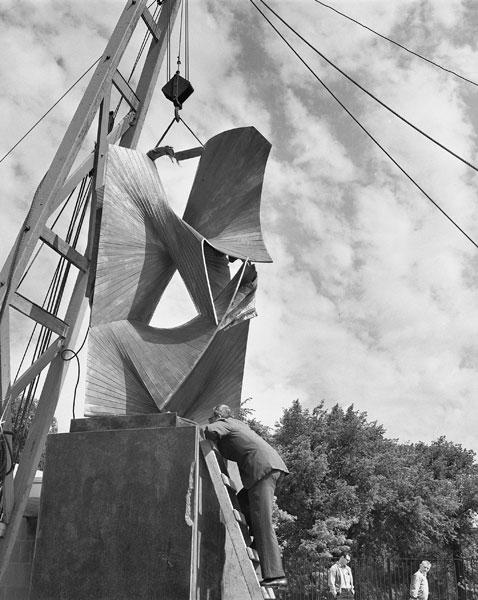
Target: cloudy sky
<point>372,298</point>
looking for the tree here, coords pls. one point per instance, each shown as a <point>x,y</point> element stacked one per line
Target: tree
<point>351,487</point>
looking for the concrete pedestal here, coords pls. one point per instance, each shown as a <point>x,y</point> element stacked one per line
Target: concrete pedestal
<point>128,513</point>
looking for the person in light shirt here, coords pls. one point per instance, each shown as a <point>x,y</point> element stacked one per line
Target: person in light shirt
<point>419,585</point>
<point>341,582</point>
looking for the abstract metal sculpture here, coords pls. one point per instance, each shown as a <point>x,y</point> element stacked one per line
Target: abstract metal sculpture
<point>136,368</point>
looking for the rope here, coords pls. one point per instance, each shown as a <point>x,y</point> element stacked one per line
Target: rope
<point>384,37</point>
<point>396,114</point>
<point>75,354</point>
<point>48,111</point>
<point>374,140</point>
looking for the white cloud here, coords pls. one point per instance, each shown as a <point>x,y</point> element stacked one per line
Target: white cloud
<point>371,298</point>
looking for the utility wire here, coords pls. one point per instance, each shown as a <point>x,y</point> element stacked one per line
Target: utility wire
<point>364,129</point>
<point>396,114</point>
<point>48,111</point>
<point>384,37</point>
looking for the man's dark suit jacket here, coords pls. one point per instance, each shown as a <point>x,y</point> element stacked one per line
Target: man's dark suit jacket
<point>254,456</point>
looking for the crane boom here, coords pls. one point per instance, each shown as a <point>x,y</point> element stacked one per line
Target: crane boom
<point>55,187</point>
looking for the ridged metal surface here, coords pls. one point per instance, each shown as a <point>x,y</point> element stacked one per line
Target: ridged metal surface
<point>136,368</point>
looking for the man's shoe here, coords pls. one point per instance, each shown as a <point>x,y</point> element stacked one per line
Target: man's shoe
<point>274,582</point>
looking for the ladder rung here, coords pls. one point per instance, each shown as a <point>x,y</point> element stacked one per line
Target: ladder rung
<point>228,482</point>
<point>56,243</point>
<point>38,314</point>
<point>253,554</point>
<point>240,518</point>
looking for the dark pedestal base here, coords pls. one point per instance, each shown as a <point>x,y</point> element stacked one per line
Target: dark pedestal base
<point>128,512</point>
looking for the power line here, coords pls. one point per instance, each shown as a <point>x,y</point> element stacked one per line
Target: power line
<point>364,129</point>
<point>48,111</point>
<point>391,110</point>
<point>384,37</point>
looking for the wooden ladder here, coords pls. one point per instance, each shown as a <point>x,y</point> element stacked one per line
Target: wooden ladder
<point>235,523</point>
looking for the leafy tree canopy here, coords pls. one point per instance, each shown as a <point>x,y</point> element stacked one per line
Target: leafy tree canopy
<point>350,487</point>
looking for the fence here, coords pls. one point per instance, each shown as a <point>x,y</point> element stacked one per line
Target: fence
<point>385,579</point>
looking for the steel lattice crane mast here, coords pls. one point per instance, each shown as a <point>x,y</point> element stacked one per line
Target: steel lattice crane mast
<point>54,189</point>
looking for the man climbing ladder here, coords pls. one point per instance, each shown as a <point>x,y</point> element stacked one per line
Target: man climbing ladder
<point>260,467</point>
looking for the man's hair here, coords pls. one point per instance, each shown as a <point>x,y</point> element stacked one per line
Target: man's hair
<point>426,563</point>
<point>222,411</point>
<point>344,554</point>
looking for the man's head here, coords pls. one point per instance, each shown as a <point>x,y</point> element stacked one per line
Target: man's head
<point>425,566</point>
<point>344,559</point>
<point>221,411</point>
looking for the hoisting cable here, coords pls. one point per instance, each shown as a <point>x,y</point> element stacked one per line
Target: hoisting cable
<point>177,89</point>
<point>190,130</point>
<point>146,37</point>
<point>184,23</point>
<point>364,129</point>
<point>49,110</point>
<point>391,110</point>
<point>165,132</point>
<point>186,39</point>
<point>57,287</point>
<point>176,119</point>
<point>181,20</point>
<point>55,293</point>
<point>52,304</point>
<point>65,204</point>
<point>384,37</point>
<point>168,44</point>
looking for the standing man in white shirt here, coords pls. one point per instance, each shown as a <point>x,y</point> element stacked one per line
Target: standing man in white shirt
<point>341,582</point>
<point>419,585</point>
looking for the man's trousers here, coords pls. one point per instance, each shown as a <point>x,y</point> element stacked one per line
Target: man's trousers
<point>256,504</point>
